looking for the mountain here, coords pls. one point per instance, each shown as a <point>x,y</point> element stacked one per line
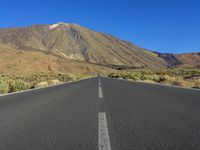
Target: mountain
<point>185,59</point>
<point>79,43</point>
<point>74,45</point>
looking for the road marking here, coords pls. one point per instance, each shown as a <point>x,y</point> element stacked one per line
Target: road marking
<point>104,140</point>
<point>100,93</point>
<point>99,82</point>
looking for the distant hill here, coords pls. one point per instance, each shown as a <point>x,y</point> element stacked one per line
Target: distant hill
<point>71,42</point>
<point>185,59</point>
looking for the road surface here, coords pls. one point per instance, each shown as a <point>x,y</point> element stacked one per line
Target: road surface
<point>101,114</point>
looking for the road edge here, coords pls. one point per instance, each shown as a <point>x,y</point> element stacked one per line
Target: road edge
<point>28,90</point>
<point>154,84</point>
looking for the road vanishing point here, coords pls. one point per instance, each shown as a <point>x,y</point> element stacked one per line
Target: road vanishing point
<point>101,114</point>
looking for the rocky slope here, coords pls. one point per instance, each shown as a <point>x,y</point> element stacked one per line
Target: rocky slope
<point>15,61</point>
<point>73,42</point>
<point>185,59</point>
<point>79,43</point>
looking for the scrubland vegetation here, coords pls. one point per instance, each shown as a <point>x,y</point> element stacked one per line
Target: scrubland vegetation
<point>176,77</point>
<point>13,83</point>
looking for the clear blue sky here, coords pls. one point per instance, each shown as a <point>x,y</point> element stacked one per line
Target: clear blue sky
<point>160,25</point>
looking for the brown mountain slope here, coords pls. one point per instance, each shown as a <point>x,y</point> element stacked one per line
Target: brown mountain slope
<point>185,59</point>
<point>189,58</point>
<point>79,43</point>
<point>20,61</point>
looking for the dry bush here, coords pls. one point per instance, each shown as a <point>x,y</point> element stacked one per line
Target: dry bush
<point>18,85</point>
<point>41,84</point>
<point>180,82</point>
<point>196,83</point>
<point>53,82</point>
<point>4,88</point>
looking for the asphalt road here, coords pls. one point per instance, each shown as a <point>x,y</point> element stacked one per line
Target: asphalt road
<point>102,115</point>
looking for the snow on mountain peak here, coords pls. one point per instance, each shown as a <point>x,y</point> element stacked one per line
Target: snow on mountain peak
<point>53,26</point>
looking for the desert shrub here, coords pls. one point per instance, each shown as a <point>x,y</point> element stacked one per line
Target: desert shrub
<point>115,75</point>
<point>146,77</point>
<point>136,76</point>
<point>156,78</point>
<point>13,82</point>
<point>185,73</point>
<point>126,76</point>
<point>41,84</point>
<point>71,76</point>
<point>65,77</point>
<point>82,76</point>
<point>165,78</point>
<point>147,72</point>
<point>176,77</point>
<point>111,75</point>
<point>180,82</point>
<point>52,82</point>
<point>4,88</point>
<point>177,82</point>
<point>196,83</point>
<point>18,85</point>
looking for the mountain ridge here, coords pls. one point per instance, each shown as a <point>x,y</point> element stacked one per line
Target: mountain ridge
<point>81,44</point>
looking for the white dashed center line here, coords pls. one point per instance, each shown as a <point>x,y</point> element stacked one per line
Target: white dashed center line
<point>104,140</point>
<point>100,90</point>
<point>100,93</point>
